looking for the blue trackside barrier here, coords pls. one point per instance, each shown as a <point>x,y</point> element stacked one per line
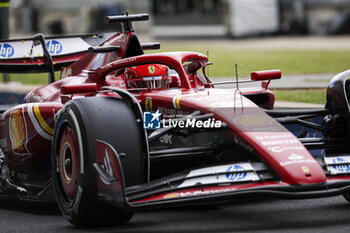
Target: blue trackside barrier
<point>11,98</point>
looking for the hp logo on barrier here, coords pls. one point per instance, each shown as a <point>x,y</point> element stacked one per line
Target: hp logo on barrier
<point>237,175</point>
<point>54,47</point>
<point>6,50</point>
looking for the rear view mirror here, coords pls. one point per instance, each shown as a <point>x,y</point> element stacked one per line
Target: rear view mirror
<point>265,75</point>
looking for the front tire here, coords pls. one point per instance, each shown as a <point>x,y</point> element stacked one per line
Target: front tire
<point>73,153</point>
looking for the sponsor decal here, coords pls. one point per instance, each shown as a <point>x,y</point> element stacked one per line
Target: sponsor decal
<point>283,164</point>
<point>166,139</point>
<point>295,157</point>
<point>305,169</point>
<point>221,174</point>
<point>252,120</point>
<point>281,142</point>
<point>6,50</point>
<point>66,72</point>
<point>237,175</point>
<point>148,104</point>
<point>221,169</point>
<point>54,47</point>
<point>121,62</point>
<point>198,193</point>
<point>337,160</point>
<point>278,149</point>
<point>265,129</point>
<point>173,113</point>
<point>341,165</point>
<point>151,120</point>
<point>265,137</point>
<point>151,69</point>
<point>23,49</point>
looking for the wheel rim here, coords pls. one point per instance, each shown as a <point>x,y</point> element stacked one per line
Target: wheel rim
<point>68,163</point>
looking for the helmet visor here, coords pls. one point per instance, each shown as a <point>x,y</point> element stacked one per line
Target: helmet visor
<point>152,82</point>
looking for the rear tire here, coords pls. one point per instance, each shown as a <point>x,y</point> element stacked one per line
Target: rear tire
<point>81,122</point>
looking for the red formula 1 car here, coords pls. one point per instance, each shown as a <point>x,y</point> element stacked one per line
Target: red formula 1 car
<point>122,131</point>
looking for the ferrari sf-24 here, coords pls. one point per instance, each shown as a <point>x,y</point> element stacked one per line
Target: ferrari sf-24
<point>123,131</point>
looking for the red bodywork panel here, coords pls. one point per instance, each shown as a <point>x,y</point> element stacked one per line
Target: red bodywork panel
<point>251,124</point>
<point>28,130</point>
<point>265,75</point>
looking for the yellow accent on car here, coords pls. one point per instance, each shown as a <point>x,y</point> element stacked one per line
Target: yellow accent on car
<point>151,69</point>
<point>148,104</point>
<point>41,120</point>
<point>305,169</point>
<point>17,130</point>
<point>177,100</point>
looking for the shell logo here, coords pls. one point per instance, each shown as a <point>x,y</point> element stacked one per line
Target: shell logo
<point>253,120</point>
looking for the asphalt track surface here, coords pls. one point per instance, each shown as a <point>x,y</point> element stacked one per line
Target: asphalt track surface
<point>259,215</point>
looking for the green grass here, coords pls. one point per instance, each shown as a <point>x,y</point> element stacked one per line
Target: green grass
<point>315,96</point>
<point>224,57</point>
<point>288,61</point>
<point>32,79</point>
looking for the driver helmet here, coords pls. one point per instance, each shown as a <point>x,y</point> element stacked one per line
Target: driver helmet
<point>152,76</point>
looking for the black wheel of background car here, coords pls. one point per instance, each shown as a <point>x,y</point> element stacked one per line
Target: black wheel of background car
<point>347,196</point>
<point>80,123</point>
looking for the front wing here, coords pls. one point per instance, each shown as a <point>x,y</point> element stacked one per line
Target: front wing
<point>230,193</point>
<point>227,183</point>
